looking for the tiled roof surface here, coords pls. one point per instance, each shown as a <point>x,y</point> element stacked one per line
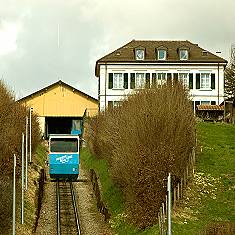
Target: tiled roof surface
<point>210,107</point>
<point>126,53</point>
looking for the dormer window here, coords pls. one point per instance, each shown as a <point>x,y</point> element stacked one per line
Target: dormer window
<point>205,53</point>
<point>139,54</point>
<point>183,54</point>
<point>161,54</point>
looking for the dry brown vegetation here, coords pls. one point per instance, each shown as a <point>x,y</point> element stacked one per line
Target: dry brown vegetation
<point>12,124</point>
<point>219,228</point>
<point>148,136</point>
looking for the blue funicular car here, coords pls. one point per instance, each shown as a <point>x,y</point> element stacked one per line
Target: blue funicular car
<point>64,156</point>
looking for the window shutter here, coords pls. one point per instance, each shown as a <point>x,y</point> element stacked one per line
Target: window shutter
<point>125,81</point>
<point>110,80</point>
<point>154,79</point>
<point>212,81</point>
<point>175,76</point>
<point>197,103</point>
<point>198,81</point>
<point>147,77</point>
<point>190,81</point>
<point>110,105</point>
<point>192,102</point>
<point>168,76</point>
<point>132,81</point>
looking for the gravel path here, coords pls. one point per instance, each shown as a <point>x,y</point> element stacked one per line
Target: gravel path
<point>47,219</point>
<point>92,222</point>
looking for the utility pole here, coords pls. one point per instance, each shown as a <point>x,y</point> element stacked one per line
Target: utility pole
<point>26,154</point>
<point>14,198</point>
<point>22,182</point>
<point>169,203</point>
<point>30,135</point>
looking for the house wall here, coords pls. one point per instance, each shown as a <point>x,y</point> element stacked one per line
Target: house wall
<point>59,101</point>
<point>216,95</point>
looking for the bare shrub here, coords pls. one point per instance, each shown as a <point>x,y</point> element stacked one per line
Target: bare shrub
<point>12,124</point>
<point>219,228</point>
<point>148,136</point>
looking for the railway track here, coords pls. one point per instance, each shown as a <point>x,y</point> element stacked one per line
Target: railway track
<point>67,213</point>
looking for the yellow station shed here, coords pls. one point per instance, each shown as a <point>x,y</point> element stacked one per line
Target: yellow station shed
<point>58,106</point>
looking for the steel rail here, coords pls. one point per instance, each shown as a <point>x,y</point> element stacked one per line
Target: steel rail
<point>58,207</point>
<point>75,209</point>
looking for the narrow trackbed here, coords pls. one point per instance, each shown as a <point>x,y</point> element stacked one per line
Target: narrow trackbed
<point>67,213</point>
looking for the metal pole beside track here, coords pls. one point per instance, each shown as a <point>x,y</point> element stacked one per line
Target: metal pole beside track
<point>26,154</point>
<point>14,198</point>
<point>169,203</point>
<point>22,182</point>
<point>30,135</point>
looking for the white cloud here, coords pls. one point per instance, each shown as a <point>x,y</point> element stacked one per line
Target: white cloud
<point>8,36</point>
<point>90,29</point>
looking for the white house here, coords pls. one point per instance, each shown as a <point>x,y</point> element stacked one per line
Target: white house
<point>141,63</point>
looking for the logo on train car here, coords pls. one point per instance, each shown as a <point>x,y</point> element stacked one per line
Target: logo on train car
<point>64,158</point>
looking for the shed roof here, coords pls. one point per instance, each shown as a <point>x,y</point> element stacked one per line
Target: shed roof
<point>60,82</point>
<point>210,107</point>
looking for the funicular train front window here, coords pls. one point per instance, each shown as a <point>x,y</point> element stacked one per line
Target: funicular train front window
<point>64,145</point>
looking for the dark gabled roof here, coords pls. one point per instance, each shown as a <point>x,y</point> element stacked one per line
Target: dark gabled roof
<point>54,84</point>
<point>126,53</point>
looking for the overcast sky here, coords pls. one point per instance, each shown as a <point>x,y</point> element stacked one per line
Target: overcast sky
<point>32,57</point>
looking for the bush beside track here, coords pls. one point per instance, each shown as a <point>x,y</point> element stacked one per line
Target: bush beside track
<point>208,203</point>
<point>145,138</point>
<point>12,124</point>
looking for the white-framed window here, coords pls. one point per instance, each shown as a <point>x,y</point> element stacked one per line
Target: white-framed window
<point>205,102</point>
<point>140,80</point>
<point>118,81</point>
<point>116,103</point>
<point>183,54</point>
<point>205,81</point>
<point>184,77</point>
<point>161,79</point>
<point>161,54</point>
<point>113,104</point>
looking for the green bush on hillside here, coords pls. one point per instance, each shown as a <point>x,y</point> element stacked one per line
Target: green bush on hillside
<point>148,136</point>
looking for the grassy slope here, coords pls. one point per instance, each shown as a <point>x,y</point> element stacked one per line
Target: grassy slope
<point>209,197</point>
<point>211,193</point>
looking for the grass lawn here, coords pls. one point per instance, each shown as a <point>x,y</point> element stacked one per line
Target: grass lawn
<point>209,197</point>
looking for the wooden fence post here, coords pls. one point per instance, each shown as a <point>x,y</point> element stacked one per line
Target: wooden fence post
<point>163,211</point>
<point>160,223</point>
<point>178,190</point>
<point>184,179</point>
<point>181,187</point>
<point>174,197</point>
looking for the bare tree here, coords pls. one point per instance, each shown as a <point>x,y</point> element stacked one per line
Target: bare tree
<point>230,80</point>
